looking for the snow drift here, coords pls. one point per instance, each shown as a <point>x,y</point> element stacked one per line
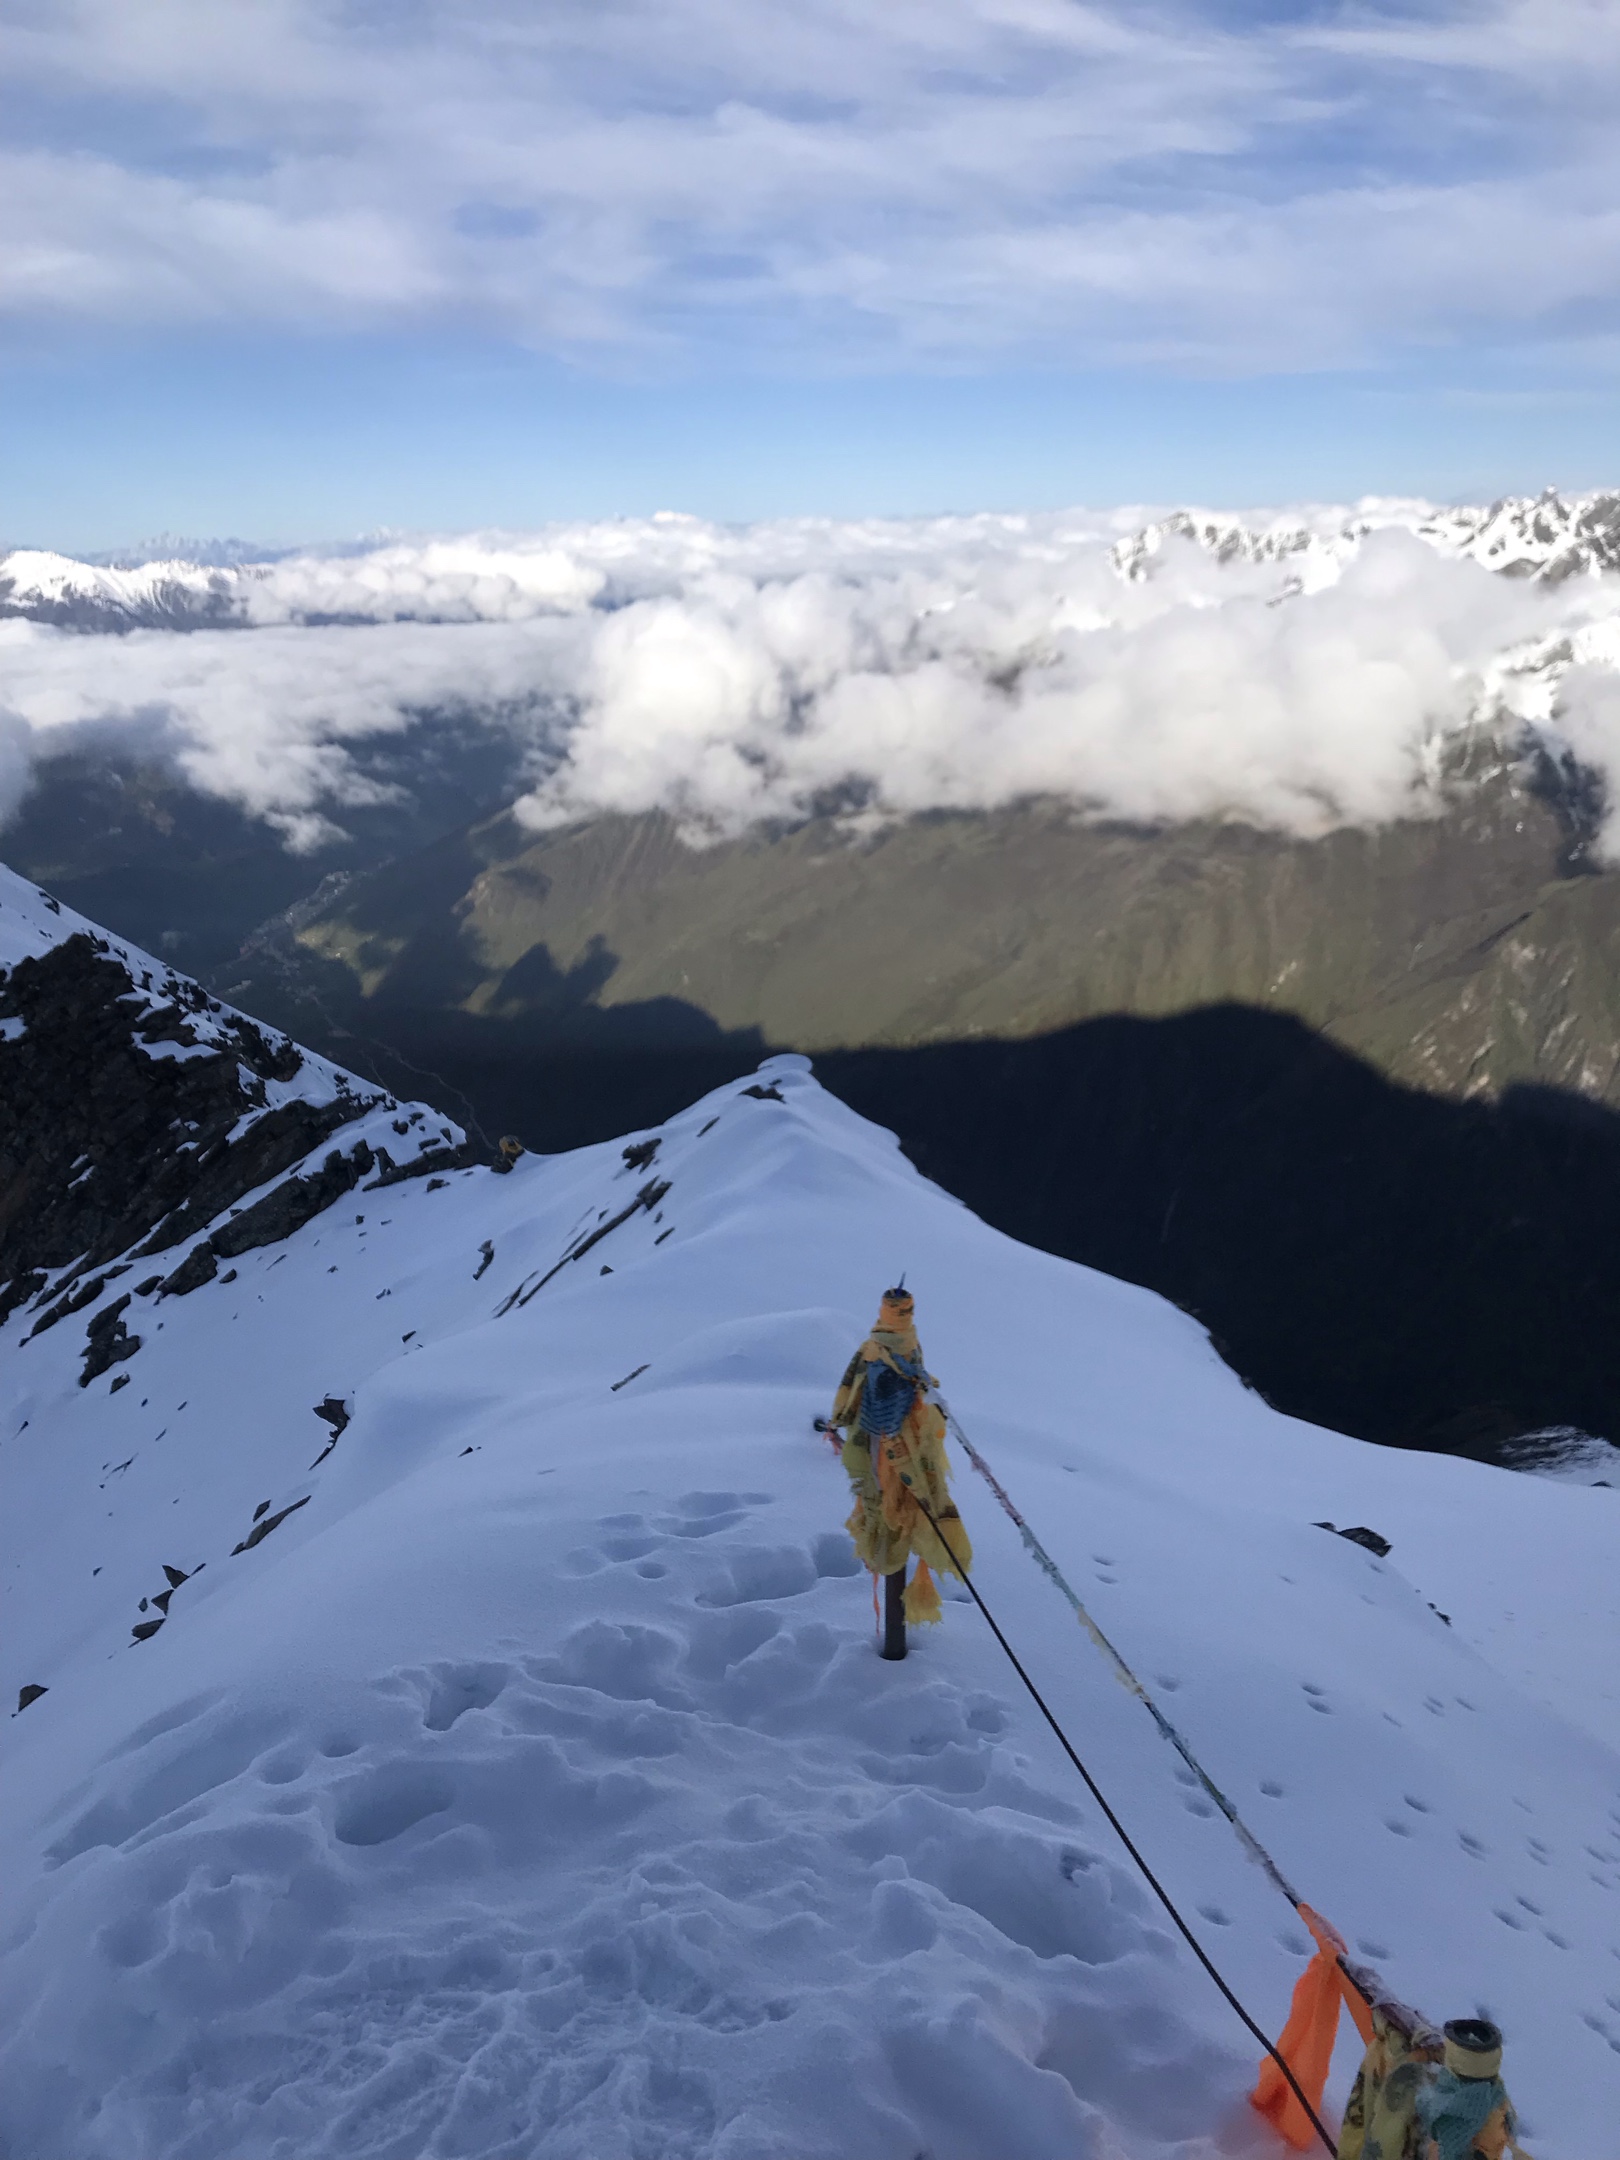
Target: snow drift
<point>1298,670</point>
<point>530,1786</point>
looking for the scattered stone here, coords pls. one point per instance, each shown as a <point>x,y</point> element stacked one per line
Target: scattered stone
<point>434,1158</point>
<point>488,1261</point>
<point>336,1413</point>
<point>144,1630</point>
<point>199,1266</point>
<point>271,1522</point>
<point>29,1694</point>
<point>121,1381</point>
<point>642,1153</point>
<point>1360,1535</point>
<point>176,1575</point>
<point>19,1290</point>
<point>107,1341</point>
<point>762,1094</point>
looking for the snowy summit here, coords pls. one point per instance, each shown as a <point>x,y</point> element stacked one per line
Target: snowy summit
<point>450,1722</point>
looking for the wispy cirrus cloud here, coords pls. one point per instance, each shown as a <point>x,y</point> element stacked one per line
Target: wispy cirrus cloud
<point>1193,183</point>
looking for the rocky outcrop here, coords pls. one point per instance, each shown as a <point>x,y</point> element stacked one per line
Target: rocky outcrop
<point>291,1204</point>
<point>127,1123</point>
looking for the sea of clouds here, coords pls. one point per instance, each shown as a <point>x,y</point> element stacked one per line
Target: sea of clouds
<point>1298,671</point>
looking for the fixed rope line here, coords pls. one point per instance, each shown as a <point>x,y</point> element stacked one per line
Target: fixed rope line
<point>1124,1835</point>
<point>1049,1567</point>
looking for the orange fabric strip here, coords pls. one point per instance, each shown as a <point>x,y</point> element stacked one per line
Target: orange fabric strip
<point>1306,2046</point>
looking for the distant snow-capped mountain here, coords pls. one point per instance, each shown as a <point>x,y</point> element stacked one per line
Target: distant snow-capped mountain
<point>510,577</point>
<point>168,595</point>
<point>1548,537</point>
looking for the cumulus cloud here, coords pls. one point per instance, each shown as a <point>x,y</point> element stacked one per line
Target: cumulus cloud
<point>1267,187</point>
<point>1200,693</point>
<point>268,720</point>
<point>1296,671</point>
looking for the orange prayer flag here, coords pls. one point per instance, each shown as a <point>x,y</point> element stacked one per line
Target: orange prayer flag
<point>1306,2045</point>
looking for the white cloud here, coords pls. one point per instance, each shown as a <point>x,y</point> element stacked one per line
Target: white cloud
<point>930,177</point>
<point>1296,671</point>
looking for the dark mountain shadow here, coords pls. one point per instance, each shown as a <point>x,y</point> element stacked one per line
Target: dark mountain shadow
<point>534,983</point>
<point>562,1073</point>
<point>1407,1268</point>
<point>1413,1270</point>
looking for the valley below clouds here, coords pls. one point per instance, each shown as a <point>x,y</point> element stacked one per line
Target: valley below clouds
<point>1299,670</point>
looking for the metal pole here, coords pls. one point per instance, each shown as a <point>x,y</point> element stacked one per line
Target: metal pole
<point>894,1614</point>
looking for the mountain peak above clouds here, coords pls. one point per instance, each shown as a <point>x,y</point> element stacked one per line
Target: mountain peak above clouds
<point>452,1714</point>
<point>505,576</point>
<point>1548,537</point>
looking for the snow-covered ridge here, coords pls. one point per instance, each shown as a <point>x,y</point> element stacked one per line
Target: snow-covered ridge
<point>153,1132</point>
<point>34,922</point>
<point>461,1731</point>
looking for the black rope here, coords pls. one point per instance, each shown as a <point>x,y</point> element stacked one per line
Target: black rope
<point>1126,1839</point>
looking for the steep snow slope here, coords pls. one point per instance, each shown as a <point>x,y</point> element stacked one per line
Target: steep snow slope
<point>531,1786</point>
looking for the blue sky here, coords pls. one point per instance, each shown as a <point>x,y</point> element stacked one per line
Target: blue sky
<point>303,268</point>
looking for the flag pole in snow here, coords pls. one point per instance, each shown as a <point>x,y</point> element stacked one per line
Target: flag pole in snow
<point>890,1432</point>
<point>894,1615</point>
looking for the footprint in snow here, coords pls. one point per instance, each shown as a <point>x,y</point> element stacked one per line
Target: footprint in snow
<point>630,1545</point>
<point>456,1689</point>
<point>1271,1789</point>
<point>702,1514</point>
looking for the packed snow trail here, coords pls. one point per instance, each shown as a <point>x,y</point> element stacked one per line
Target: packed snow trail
<point>534,1789</point>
